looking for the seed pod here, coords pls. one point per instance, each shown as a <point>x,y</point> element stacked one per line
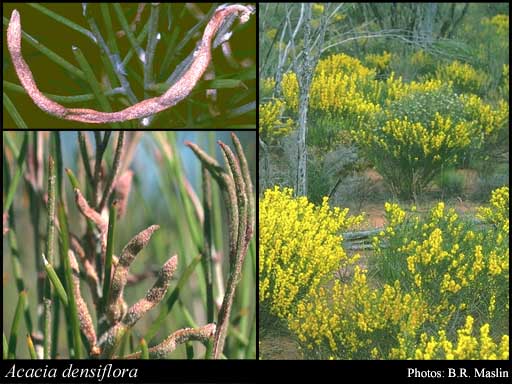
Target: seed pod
<point>84,317</point>
<point>181,336</point>
<point>154,295</point>
<point>116,306</point>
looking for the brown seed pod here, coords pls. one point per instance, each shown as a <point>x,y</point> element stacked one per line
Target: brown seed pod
<point>176,92</point>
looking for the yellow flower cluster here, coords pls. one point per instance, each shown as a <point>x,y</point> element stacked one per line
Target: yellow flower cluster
<point>396,88</point>
<point>463,76</point>
<point>431,276</point>
<point>497,213</point>
<point>318,9</point>
<point>420,59</point>
<point>500,22</point>
<point>379,62</point>
<point>409,154</point>
<point>488,120</point>
<point>505,81</point>
<point>300,248</point>
<point>467,346</point>
<point>267,86</point>
<point>272,125</point>
<point>341,85</point>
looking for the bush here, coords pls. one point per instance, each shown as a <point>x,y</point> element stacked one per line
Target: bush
<point>448,277</point>
<point>272,124</point>
<point>411,142</point>
<point>299,248</point>
<point>464,77</point>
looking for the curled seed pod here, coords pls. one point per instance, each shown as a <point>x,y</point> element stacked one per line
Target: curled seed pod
<point>116,306</point>
<point>181,336</point>
<point>88,212</point>
<point>100,221</point>
<point>154,295</point>
<point>122,190</point>
<point>244,166</point>
<point>241,195</point>
<point>90,271</point>
<point>174,94</point>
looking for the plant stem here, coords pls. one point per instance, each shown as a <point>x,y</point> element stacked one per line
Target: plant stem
<point>5,349</point>
<point>85,158</point>
<point>63,20</point>
<point>144,349</point>
<point>50,250</point>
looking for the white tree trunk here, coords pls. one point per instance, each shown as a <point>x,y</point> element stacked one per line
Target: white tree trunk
<point>301,182</point>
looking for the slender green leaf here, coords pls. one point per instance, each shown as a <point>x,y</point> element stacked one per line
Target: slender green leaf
<point>127,30</point>
<point>72,178</point>
<point>52,275</point>
<point>144,348</point>
<point>72,308</point>
<point>17,174</point>
<point>5,348</point>
<point>15,327</point>
<point>13,112</point>
<point>63,20</point>
<point>31,349</point>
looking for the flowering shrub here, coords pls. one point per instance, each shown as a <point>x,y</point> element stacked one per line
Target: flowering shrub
<point>422,62</point>
<point>410,143</point>
<point>342,91</point>
<point>379,62</point>
<point>434,280</point>
<point>468,347</point>
<point>272,124</point>
<point>299,248</point>
<point>267,87</point>
<point>409,130</point>
<point>464,77</point>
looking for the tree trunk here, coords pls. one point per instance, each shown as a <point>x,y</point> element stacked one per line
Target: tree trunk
<point>264,179</point>
<point>301,183</point>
